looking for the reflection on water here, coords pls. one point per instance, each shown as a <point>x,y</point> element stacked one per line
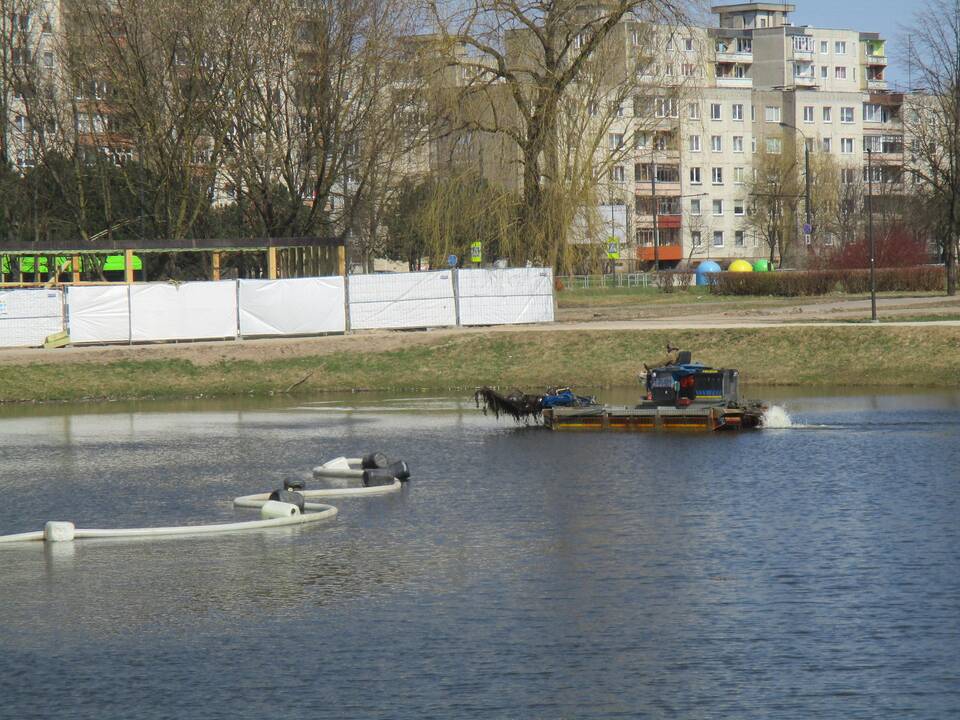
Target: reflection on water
<point>810,571</point>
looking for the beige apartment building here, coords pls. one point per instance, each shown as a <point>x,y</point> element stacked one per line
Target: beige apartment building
<point>763,82</point>
<point>714,97</point>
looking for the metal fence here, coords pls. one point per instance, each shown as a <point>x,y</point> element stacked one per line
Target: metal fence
<point>611,280</point>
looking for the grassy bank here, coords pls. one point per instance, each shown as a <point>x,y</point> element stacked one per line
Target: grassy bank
<point>532,359</point>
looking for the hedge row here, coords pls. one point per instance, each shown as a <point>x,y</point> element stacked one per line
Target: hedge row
<point>927,278</point>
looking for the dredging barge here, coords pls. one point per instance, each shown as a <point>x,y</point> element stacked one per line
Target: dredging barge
<point>680,395</point>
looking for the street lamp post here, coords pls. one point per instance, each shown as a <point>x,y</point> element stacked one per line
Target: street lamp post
<point>873,254</point>
<point>656,233</point>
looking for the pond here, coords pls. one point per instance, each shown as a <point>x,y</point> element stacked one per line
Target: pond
<point>808,571</point>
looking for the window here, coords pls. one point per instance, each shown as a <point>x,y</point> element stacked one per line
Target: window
<point>618,110</point>
<point>718,238</point>
<point>615,140</point>
<point>592,109</point>
<point>848,175</point>
<point>665,107</point>
<point>617,173</point>
<point>695,176</point>
<point>738,112</point>
<point>639,139</point>
<point>696,239</point>
<point>808,113</point>
<point>738,238</point>
<point>824,45</point>
<point>846,146</point>
<point>717,176</point>
<point>826,145</point>
<point>716,143</point>
<point>738,175</point>
<point>774,146</point>
<point>693,111</point>
<point>846,115</point>
<point>753,145</point>
<point>753,113</point>
<point>738,143</point>
<point>840,47</point>
<point>25,158</point>
<point>48,59</point>
<point>718,207</point>
<point>688,44</point>
<point>695,206</point>
<point>20,123</point>
<point>771,114</point>
<point>688,69</point>
<point>839,73</point>
<point>694,143</point>
<point>827,114</point>
<point>21,56</point>
<point>715,112</point>
<point>803,43</point>
<point>823,71</point>
<point>875,113</point>
<point>738,207</point>
<point>20,21</point>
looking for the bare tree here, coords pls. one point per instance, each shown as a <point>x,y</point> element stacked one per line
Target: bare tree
<point>774,192</point>
<point>932,119</point>
<point>324,111</point>
<point>541,61</point>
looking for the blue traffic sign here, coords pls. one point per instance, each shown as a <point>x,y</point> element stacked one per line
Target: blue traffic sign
<point>452,261</point>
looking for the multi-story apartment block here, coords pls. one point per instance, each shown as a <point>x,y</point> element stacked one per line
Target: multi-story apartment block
<point>719,94</point>
<point>764,83</point>
<point>685,146</point>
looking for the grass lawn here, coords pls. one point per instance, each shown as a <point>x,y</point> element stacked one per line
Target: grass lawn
<point>809,355</point>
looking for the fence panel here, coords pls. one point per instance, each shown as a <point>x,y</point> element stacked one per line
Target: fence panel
<point>29,315</point>
<point>404,300</point>
<point>190,311</point>
<point>505,297</point>
<point>297,306</point>
<point>98,314</point>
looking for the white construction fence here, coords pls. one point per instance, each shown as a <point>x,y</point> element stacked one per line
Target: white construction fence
<point>228,309</point>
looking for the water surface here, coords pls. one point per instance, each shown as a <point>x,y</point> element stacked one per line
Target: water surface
<point>796,573</point>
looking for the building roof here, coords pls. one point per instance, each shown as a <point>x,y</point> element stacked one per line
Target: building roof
<point>745,7</point>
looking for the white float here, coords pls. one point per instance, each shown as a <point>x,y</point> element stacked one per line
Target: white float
<point>272,514</point>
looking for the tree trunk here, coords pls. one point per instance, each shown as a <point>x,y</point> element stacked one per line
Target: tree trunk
<point>951,262</point>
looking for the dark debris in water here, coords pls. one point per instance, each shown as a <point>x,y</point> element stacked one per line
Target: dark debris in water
<point>520,406</point>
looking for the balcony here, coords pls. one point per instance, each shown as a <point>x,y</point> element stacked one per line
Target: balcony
<point>876,60</point>
<point>803,54</point>
<point>727,81</point>
<point>666,252</point>
<point>876,84</point>
<point>664,188</point>
<point>804,80</point>
<point>732,56</point>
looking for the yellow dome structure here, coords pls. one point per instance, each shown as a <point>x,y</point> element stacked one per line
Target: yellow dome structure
<point>740,266</point>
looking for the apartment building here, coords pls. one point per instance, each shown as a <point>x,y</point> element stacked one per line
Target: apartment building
<point>761,82</point>
<point>778,86</point>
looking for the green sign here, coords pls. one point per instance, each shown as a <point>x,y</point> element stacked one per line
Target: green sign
<point>476,252</point>
<point>115,263</point>
<point>27,263</point>
<point>613,249</point>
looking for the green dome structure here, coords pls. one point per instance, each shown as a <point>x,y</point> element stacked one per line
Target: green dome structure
<point>762,265</point>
